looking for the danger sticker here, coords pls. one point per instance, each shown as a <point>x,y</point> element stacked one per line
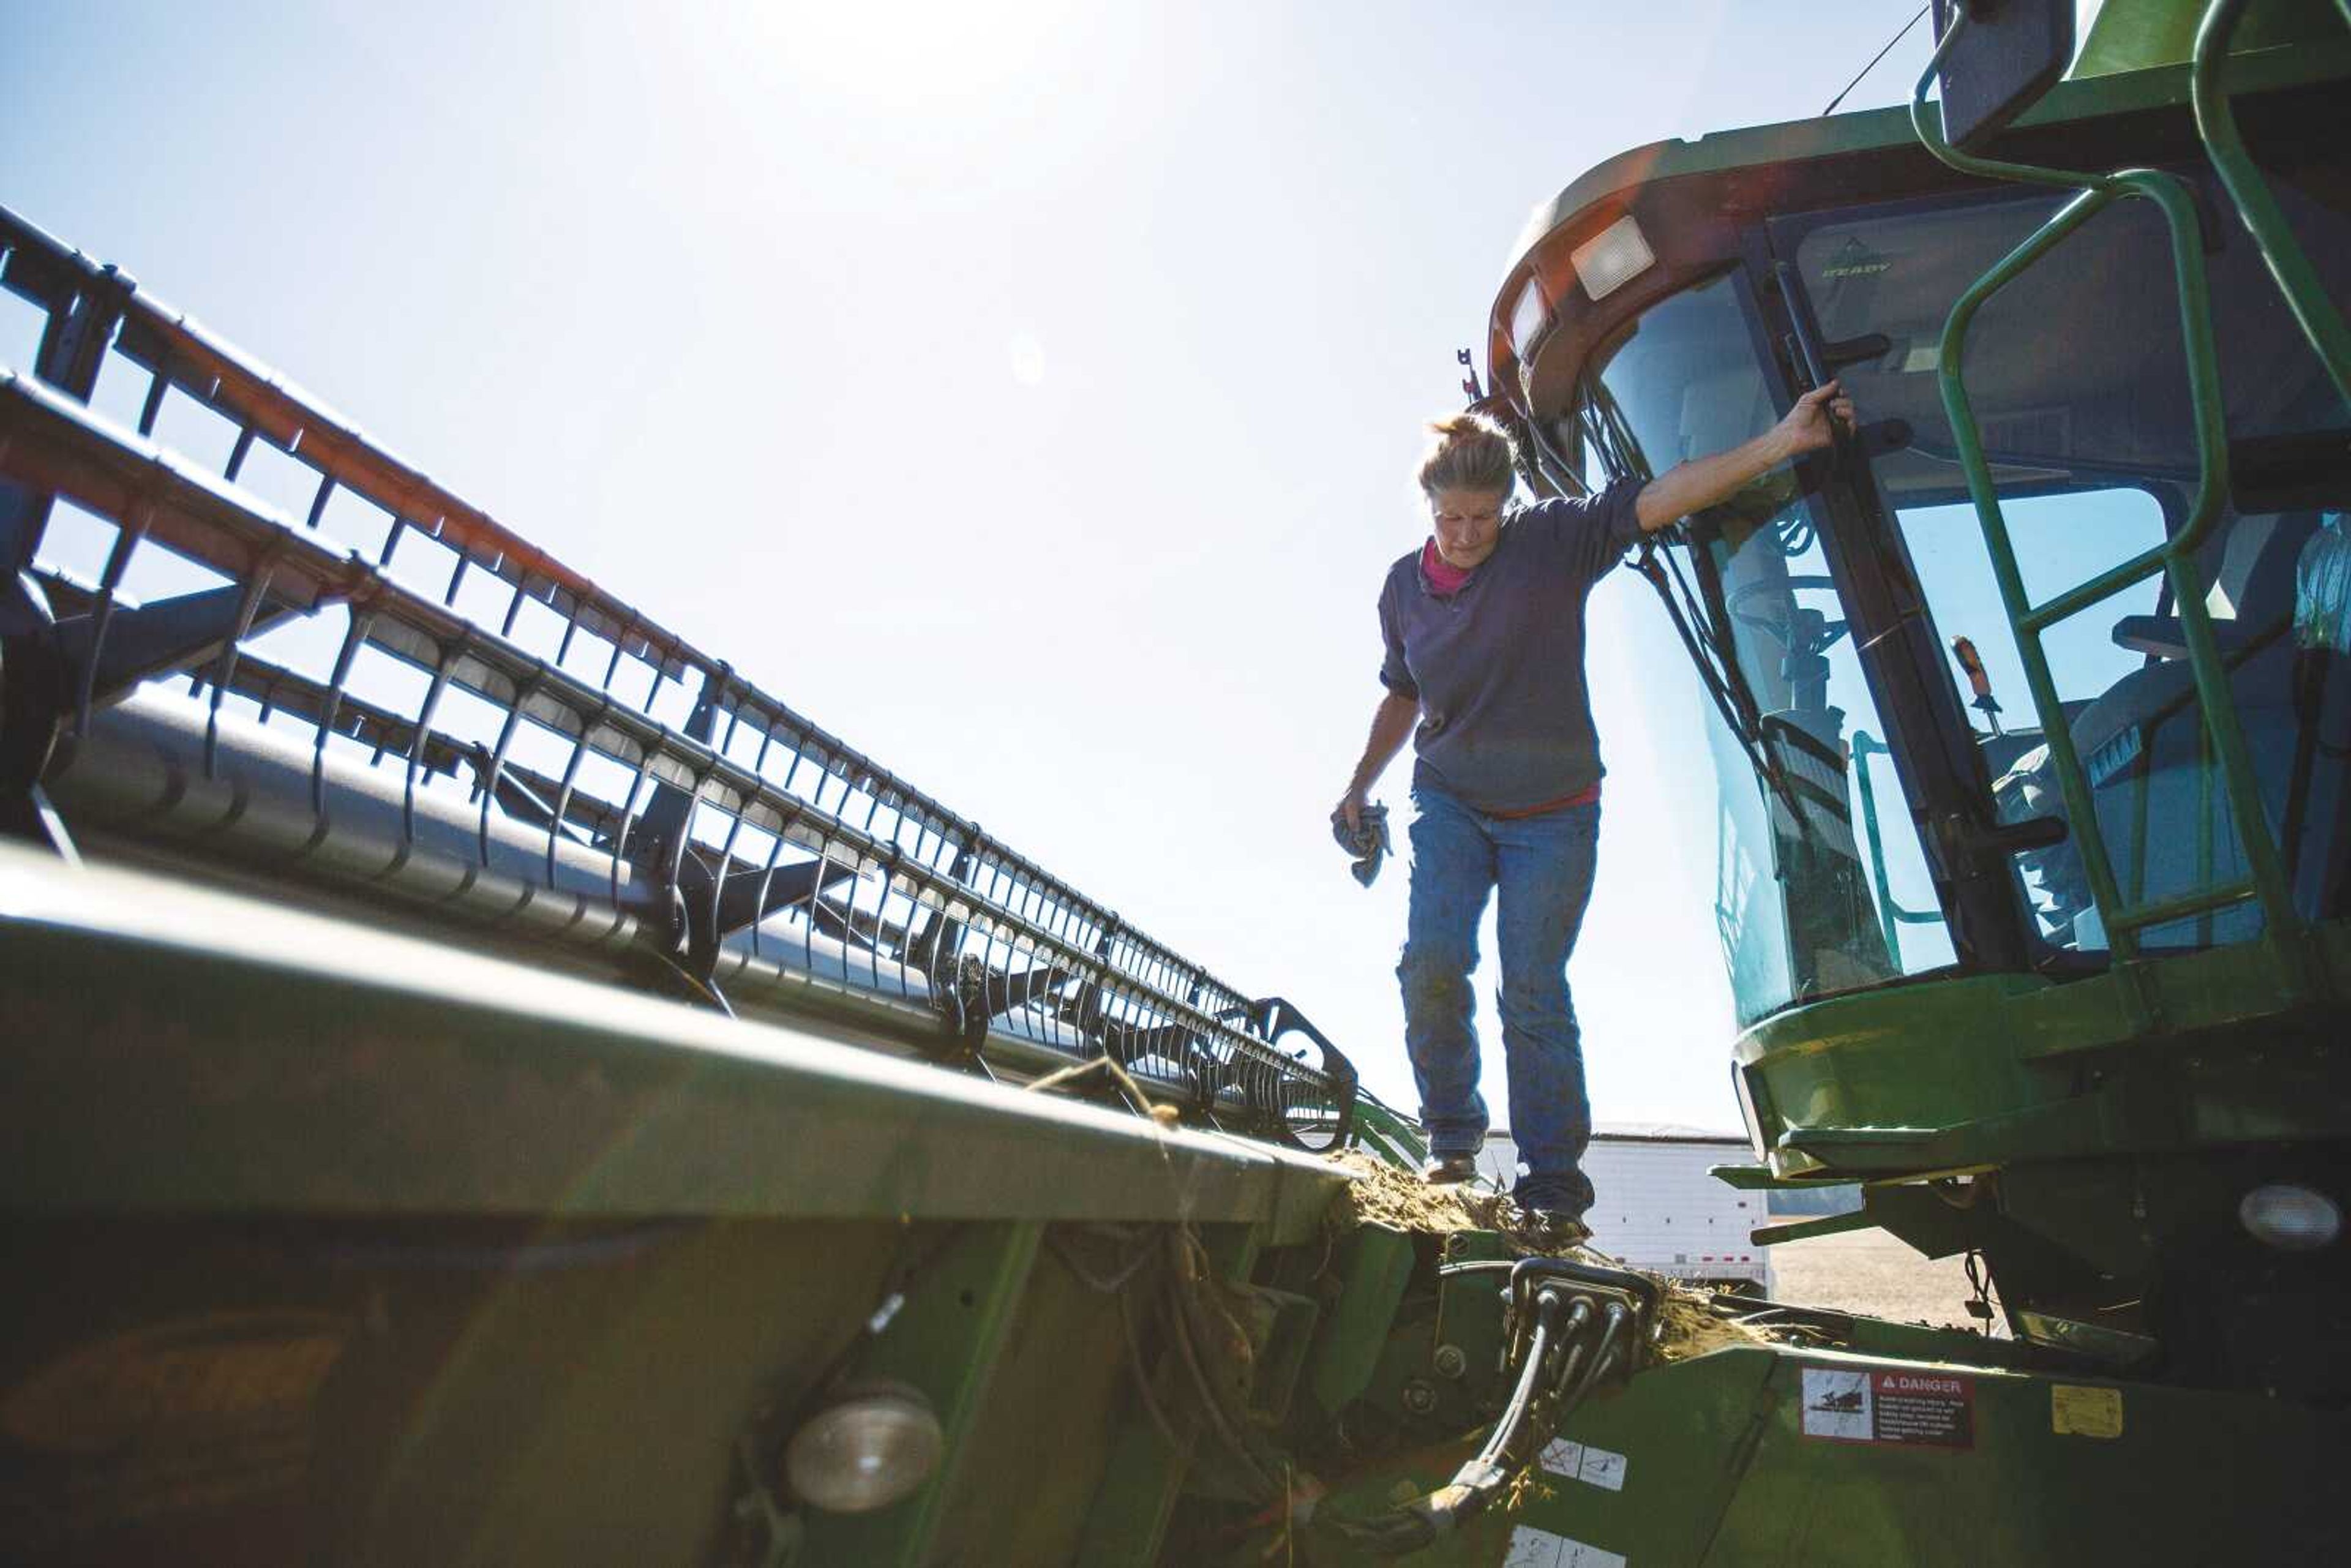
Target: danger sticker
<point>1863,1405</point>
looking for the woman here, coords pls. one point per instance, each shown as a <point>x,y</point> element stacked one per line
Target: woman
<point>1484,670</point>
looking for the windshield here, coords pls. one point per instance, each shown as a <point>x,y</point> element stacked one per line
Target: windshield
<point>1824,884</point>
<point>1821,883</point>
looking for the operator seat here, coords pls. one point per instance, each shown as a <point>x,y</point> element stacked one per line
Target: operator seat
<point>2143,745</point>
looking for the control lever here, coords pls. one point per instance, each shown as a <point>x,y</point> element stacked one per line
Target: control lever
<point>1568,1326</point>
<point>1964,651</point>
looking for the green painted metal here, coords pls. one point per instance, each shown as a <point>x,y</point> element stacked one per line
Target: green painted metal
<point>1467,1319</point>
<point>181,1063</point>
<point>184,1067</point>
<point>1762,1178</point>
<point>2148,85</point>
<point>2077,1131</point>
<point>1962,1072</point>
<point>2306,295</point>
<point>1142,1484</point>
<point>1805,1230</point>
<point>1034,1351</point>
<point>1706,1462</point>
<point>2021,1492</point>
<point>580,1407</point>
<point>2139,35</point>
<point>1389,1134</point>
<point>946,1342</point>
<point>1889,917</point>
<point>2122,38</point>
<point>1916,1342</point>
<point>1892,916</point>
<point>1374,1270</point>
<point>330,1069</point>
<point>1154,1452</point>
<point>2174,557</point>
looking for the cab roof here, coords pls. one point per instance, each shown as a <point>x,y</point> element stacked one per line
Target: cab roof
<point>1691,195</point>
<point>1830,136</point>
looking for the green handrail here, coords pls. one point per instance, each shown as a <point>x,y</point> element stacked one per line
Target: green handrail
<point>1891,916</point>
<point>2216,122</point>
<point>1387,1134</point>
<point>2174,557</point>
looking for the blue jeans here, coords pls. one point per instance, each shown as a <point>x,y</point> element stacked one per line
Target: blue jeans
<point>1543,866</point>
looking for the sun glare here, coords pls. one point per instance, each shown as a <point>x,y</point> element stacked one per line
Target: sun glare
<point>919,56</point>
<point>1028,359</point>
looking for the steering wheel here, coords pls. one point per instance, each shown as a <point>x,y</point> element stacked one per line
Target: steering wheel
<point>1799,632</point>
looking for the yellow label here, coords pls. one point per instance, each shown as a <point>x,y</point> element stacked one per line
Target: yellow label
<point>188,1379</point>
<point>191,1415</point>
<point>2085,1412</point>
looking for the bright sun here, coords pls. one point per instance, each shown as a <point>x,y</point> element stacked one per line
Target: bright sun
<point>919,56</point>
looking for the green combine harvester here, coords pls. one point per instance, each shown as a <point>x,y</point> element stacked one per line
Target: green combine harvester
<point>484,1082</point>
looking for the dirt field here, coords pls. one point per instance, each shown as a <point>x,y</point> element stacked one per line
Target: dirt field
<point>1869,1271</point>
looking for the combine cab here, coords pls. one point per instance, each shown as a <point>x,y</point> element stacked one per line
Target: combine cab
<point>2030,708</point>
<point>486,1083</point>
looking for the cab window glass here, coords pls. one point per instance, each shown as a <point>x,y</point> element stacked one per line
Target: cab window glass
<point>2076,377</point>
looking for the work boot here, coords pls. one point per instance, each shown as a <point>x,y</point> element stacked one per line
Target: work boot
<point>1554,1231</point>
<point>1449,1170</point>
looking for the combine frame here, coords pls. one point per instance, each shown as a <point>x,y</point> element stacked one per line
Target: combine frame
<point>503,1089</point>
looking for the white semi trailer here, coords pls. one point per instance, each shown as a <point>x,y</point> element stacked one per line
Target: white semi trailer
<point>1659,1208</point>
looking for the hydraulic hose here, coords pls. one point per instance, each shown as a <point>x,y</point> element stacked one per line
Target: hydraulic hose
<point>1478,1482</point>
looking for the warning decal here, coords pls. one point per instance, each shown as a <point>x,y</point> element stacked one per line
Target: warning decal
<point>190,1416</point>
<point>1864,1405</point>
<point>1578,1462</point>
<point>2085,1412</point>
<point>1531,1548</point>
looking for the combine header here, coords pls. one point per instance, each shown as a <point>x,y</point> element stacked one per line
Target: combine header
<point>484,1082</point>
<point>379,1186</point>
<point>391,703</point>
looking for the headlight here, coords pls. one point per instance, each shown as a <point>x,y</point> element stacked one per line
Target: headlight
<point>1612,258</point>
<point>866,1452</point>
<point>2291,1219</point>
<point>1528,316</point>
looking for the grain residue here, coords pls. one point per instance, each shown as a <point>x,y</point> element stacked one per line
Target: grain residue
<point>1381,1193</point>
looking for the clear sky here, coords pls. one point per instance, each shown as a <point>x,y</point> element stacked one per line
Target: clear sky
<point>1026,391</point>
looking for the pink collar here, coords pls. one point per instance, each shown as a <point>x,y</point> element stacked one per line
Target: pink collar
<point>1444,578</point>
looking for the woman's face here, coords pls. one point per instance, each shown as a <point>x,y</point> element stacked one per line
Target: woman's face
<point>1468,524</point>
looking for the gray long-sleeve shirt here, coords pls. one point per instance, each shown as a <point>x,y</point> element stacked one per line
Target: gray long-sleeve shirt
<point>1498,667</point>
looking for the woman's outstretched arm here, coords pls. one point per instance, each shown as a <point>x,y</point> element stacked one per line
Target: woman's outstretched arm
<point>1704,482</point>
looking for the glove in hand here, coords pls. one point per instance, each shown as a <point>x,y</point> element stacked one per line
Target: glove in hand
<point>1367,844</point>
